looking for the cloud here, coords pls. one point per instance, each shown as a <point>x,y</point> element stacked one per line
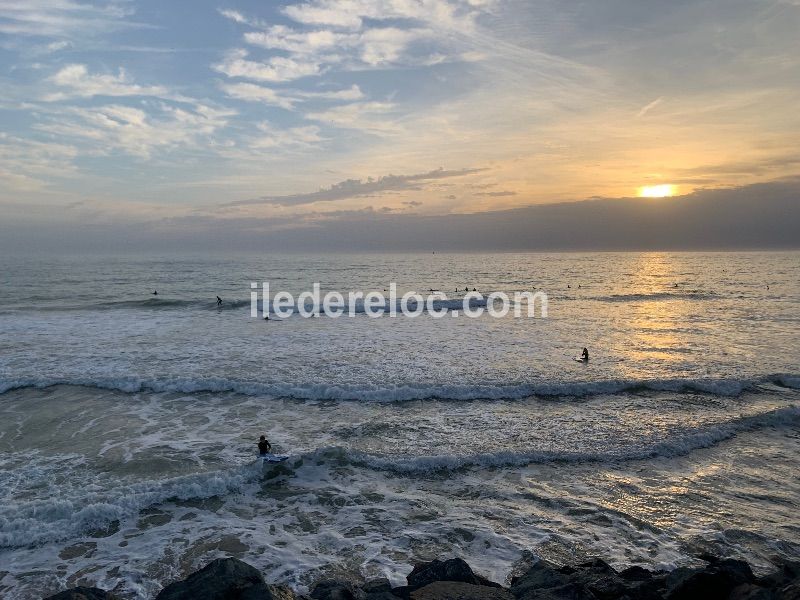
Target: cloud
<point>62,18</point>
<point>251,92</point>
<point>350,36</point>
<point>274,69</point>
<point>764,216</point>
<point>271,137</point>
<point>29,165</point>
<point>648,107</point>
<point>497,194</point>
<point>134,130</point>
<point>443,14</point>
<point>288,99</point>
<point>357,115</point>
<point>353,188</point>
<point>81,84</point>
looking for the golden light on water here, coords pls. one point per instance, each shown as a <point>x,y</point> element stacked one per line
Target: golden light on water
<point>657,191</point>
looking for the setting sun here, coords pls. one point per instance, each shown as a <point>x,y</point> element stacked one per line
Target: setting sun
<point>657,191</point>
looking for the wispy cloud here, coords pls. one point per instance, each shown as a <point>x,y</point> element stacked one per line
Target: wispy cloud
<point>648,107</point>
<point>352,188</point>
<point>288,99</point>
<point>133,130</point>
<point>62,18</point>
<point>29,165</point>
<point>79,83</point>
<point>274,69</point>
<point>357,115</point>
<point>331,35</point>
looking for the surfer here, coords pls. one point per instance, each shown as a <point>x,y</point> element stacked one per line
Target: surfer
<point>585,355</point>
<point>264,447</point>
<point>219,301</point>
<point>155,292</point>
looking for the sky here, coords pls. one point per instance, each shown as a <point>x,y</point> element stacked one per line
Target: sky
<point>286,124</point>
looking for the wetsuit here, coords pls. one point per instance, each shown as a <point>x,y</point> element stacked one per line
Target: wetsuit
<point>264,447</point>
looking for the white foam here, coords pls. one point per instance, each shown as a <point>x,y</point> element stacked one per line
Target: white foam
<point>35,522</point>
<point>396,393</point>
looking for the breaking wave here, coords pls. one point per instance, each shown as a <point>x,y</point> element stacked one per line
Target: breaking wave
<point>399,393</point>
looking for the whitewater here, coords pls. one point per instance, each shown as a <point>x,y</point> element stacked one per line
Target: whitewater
<point>128,421</point>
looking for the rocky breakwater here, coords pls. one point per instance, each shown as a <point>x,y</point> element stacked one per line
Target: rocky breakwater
<point>718,579</point>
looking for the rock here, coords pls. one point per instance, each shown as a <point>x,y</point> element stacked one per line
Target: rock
<point>454,569</point>
<point>716,581</point>
<point>636,573</point>
<point>788,572</point>
<point>748,591</point>
<point>331,589</point>
<point>83,593</point>
<point>593,580</point>
<point>381,589</point>
<point>225,579</point>
<point>376,586</point>
<point>454,590</point>
<point>789,592</point>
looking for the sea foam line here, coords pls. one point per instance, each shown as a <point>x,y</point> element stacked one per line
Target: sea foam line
<point>399,393</point>
<point>681,445</point>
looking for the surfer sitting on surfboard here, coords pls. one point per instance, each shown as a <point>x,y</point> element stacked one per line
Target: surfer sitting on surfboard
<point>585,354</point>
<point>264,447</point>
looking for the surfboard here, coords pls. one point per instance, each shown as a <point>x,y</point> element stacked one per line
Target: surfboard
<point>581,360</point>
<point>273,458</point>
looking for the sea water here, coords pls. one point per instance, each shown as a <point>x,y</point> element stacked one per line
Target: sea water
<point>129,421</point>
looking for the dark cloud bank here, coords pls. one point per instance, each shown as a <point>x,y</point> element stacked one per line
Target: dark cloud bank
<point>762,216</point>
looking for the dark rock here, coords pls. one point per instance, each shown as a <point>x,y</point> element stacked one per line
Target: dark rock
<point>225,579</point>
<point>636,573</point>
<point>789,592</point>
<point>787,572</point>
<point>331,589</point>
<point>376,586</point>
<point>381,589</point>
<point>716,581</point>
<point>83,593</point>
<point>456,590</point>
<point>453,569</point>
<point>749,591</point>
<point>593,580</point>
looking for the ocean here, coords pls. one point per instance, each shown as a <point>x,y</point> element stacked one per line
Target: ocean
<point>129,421</point>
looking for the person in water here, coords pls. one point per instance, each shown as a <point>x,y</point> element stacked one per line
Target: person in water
<point>219,301</point>
<point>585,354</point>
<point>264,447</point>
<point>155,292</point>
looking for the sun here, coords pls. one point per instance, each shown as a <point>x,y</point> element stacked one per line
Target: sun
<point>657,191</point>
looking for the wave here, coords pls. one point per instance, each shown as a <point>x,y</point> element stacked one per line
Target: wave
<point>36,522</point>
<point>406,392</point>
<point>680,445</point>
<point>165,304</point>
<point>683,295</point>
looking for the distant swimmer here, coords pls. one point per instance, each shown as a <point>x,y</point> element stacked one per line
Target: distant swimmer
<point>466,289</point>
<point>266,318</point>
<point>585,354</point>
<point>264,447</point>
<point>219,301</point>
